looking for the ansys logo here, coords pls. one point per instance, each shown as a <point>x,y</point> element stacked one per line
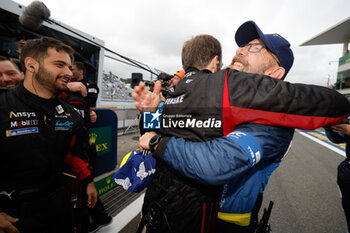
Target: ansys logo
<point>151,120</point>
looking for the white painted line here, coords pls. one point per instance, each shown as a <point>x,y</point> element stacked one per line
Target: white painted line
<point>341,152</point>
<point>125,216</point>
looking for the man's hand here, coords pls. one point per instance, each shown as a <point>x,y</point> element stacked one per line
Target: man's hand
<point>144,141</point>
<point>146,100</point>
<point>93,116</point>
<point>77,87</point>
<point>342,128</point>
<point>6,223</point>
<point>91,194</point>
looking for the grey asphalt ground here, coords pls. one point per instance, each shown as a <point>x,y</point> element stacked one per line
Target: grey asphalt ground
<point>304,190</point>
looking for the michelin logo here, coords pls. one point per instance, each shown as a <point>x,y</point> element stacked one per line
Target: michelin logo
<point>16,132</point>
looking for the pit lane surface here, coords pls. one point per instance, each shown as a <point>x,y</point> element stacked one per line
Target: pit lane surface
<point>304,189</point>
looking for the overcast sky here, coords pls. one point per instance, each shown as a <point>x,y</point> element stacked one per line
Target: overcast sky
<point>153,31</point>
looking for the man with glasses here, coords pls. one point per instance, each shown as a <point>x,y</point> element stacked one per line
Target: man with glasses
<point>262,58</point>
<point>243,160</point>
<point>255,47</point>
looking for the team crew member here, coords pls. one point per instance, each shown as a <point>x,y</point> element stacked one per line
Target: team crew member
<point>180,74</point>
<point>340,134</point>
<point>174,189</point>
<point>79,71</point>
<point>39,132</point>
<point>82,214</point>
<point>10,75</point>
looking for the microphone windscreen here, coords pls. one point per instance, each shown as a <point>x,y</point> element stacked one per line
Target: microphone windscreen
<point>34,14</point>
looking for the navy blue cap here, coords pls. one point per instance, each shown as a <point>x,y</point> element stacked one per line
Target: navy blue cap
<point>249,31</point>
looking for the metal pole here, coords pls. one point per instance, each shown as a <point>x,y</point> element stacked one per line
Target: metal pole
<point>346,46</point>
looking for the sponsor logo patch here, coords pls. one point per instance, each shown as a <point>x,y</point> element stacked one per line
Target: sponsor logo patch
<point>59,109</point>
<point>175,100</point>
<point>65,115</point>
<point>92,90</point>
<point>24,123</point>
<point>64,126</point>
<point>22,114</point>
<point>249,144</point>
<point>16,132</point>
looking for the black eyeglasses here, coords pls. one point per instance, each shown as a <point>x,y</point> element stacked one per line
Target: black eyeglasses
<point>254,47</point>
<point>257,47</point>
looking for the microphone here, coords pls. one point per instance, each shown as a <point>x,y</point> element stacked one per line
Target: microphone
<point>34,14</point>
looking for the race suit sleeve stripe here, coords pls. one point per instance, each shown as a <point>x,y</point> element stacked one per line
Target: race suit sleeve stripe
<point>282,119</point>
<point>264,100</point>
<point>249,145</point>
<point>80,168</point>
<point>227,116</point>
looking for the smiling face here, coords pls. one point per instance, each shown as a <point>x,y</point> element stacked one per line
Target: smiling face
<point>54,72</point>
<point>254,61</point>
<point>10,76</point>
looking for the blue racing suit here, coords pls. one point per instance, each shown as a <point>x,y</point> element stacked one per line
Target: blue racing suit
<point>242,162</point>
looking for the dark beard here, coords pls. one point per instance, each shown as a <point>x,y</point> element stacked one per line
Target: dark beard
<point>47,80</point>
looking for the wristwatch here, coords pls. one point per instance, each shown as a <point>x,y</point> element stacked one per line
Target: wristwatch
<point>154,141</point>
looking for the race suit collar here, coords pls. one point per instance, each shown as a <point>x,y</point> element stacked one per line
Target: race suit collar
<point>46,106</point>
<point>191,71</point>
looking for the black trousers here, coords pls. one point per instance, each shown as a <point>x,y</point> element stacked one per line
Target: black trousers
<point>40,213</point>
<point>99,212</point>
<point>343,180</point>
<point>78,200</point>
